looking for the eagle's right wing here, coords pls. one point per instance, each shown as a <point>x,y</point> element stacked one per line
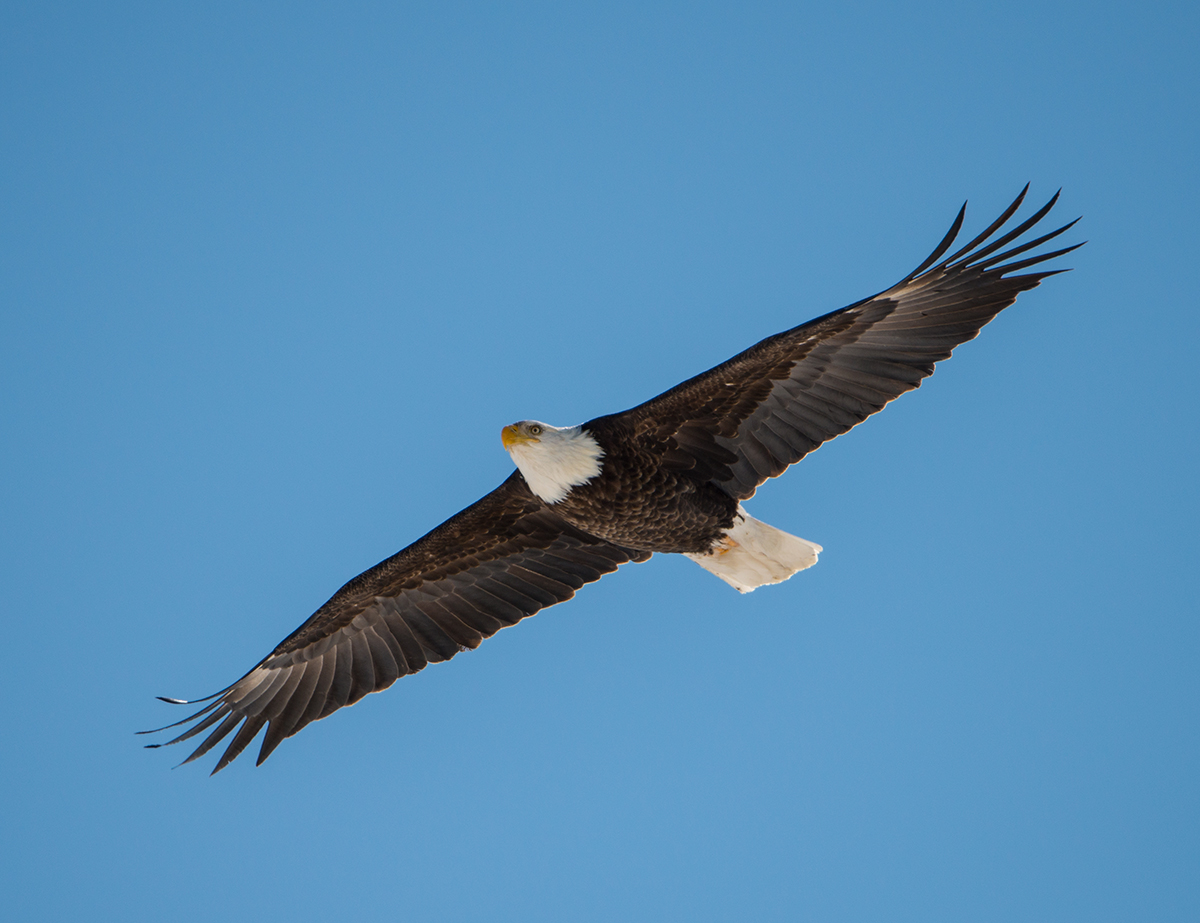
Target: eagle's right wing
<point>498,561</point>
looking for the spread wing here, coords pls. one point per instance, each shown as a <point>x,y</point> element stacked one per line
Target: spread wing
<point>493,564</point>
<point>749,418</point>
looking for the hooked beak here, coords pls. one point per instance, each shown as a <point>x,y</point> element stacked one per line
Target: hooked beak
<point>512,436</point>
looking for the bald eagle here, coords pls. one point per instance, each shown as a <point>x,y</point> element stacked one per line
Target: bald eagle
<point>670,475</point>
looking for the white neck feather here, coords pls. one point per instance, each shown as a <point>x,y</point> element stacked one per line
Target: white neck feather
<point>559,460</point>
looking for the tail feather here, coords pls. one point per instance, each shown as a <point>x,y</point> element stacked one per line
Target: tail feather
<point>754,554</point>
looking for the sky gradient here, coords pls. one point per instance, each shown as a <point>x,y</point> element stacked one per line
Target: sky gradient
<point>276,275</point>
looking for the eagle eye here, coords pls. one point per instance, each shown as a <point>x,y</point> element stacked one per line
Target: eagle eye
<point>535,430</point>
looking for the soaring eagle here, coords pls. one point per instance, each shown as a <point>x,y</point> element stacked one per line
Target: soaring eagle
<point>669,475</point>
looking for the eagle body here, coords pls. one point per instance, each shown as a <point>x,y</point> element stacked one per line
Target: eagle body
<point>670,475</point>
<point>609,480</point>
<point>637,502</point>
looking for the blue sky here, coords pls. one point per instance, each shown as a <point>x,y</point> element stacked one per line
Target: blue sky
<point>275,276</point>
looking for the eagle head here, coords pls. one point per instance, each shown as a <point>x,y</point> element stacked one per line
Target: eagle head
<point>552,459</point>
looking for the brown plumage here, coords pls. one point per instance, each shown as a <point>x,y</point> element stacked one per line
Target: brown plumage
<point>673,472</point>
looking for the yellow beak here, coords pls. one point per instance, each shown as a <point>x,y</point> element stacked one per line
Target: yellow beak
<point>512,436</point>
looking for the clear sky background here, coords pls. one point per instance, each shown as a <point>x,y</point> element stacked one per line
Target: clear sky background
<point>275,275</point>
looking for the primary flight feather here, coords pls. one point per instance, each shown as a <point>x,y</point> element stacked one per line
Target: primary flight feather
<point>669,475</point>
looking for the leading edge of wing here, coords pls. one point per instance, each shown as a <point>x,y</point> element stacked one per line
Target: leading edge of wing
<point>963,258</point>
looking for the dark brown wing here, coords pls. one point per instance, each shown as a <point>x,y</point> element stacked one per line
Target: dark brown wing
<point>493,564</point>
<point>749,418</point>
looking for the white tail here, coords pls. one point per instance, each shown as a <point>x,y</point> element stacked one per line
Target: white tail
<point>753,554</point>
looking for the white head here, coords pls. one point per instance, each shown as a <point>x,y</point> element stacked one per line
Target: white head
<point>552,460</point>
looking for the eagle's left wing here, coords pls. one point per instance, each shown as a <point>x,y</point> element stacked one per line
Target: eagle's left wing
<point>751,417</point>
